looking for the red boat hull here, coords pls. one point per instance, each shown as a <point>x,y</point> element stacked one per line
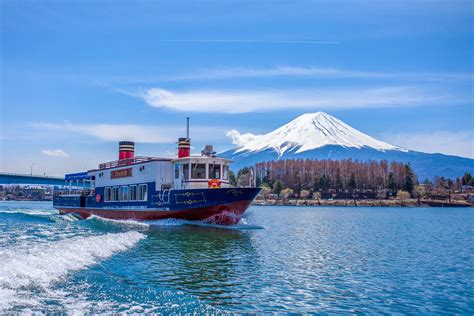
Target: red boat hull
<point>223,214</point>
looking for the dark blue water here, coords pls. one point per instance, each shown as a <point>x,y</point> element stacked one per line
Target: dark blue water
<point>335,260</point>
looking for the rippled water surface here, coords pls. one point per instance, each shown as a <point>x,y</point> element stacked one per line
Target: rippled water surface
<point>406,260</point>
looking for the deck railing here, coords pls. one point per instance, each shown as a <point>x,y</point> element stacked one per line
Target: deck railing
<point>66,192</point>
<point>129,161</point>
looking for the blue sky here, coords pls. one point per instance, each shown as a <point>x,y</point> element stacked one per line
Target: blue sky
<point>77,76</point>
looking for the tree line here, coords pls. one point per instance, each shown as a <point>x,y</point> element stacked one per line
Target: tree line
<point>338,175</point>
<point>347,179</point>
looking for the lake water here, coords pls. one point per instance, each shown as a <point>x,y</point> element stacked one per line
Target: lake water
<point>305,259</point>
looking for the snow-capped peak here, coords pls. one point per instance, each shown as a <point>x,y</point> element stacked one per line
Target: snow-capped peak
<point>307,132</point>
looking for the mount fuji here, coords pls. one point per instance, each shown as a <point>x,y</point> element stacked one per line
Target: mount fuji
<point>322,136</point>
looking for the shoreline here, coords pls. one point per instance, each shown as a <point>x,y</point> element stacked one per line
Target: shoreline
<point>364,203</point>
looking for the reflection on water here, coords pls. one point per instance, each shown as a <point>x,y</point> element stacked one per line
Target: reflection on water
<point>203,261</point>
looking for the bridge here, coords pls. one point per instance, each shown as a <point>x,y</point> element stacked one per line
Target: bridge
<point>17,178</point>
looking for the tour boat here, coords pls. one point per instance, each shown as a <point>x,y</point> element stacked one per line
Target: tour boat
<point>193,188</point>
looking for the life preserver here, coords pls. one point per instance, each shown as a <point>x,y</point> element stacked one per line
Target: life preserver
<point>98,197</point>
<point>214,183</point>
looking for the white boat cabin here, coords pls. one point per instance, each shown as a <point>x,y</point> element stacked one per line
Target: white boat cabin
<point>185,172</point>
<point>135,176</point>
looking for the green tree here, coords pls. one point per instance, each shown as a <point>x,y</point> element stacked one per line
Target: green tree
<point>391,183</point>
<point>351,185</point>
<point>466,178</point>
<point>277,187</point>
<point>325,182</point>
<point>409,181</point>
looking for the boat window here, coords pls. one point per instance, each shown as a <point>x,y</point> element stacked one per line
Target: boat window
<point>107,194</point>
<point>115,193</point>
<point>225,172</point>
<point>176,171</point>
<point>142,192</point>
<point>123,193</point>
<point>214,171</point>
<point>198,171</point>
<point>145,193</point>
<point>186,171</point>
<point>132,193</point>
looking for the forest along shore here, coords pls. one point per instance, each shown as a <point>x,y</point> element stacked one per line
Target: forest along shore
<point>353,183</point>
<point>378,203</point>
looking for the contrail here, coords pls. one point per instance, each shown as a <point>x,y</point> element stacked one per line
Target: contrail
<point>249,41</point>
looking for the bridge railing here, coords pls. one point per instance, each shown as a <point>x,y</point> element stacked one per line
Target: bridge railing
<point>30,175</point>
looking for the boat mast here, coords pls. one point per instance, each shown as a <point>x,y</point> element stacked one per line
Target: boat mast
<point>187,127</point>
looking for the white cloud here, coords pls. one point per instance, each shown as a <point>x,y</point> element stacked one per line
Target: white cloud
<point>451,143</point>
<point>240,139</point>
<point>132,132</point>
<point>243,101</point>
<point>250,41</point>
<point>312,72</point>
<point>227,72</point>
<point>57,153</point>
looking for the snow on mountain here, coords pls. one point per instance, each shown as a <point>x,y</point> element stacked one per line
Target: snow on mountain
<point>307,132</point>
<point>322,136</point>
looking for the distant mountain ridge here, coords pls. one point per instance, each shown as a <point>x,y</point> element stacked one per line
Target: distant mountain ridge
<point>322,136</point>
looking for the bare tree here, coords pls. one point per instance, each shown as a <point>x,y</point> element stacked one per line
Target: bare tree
<point>403,196</point>
<point>304,194</point>
<point>317,197</point>
<point>287,193</point>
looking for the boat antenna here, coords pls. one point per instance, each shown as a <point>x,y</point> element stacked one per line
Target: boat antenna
<point>187,127</point>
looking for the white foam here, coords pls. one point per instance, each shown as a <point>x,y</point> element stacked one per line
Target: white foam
<point>29,212</point>
<point>69,217</point>
<point>230,227</point>
<point>6,297</point>
<point>131,222</point>
<point>168,222</point>
<point>42,264</point>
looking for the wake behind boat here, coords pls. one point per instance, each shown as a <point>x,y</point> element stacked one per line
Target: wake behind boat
<point>194,188</point>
